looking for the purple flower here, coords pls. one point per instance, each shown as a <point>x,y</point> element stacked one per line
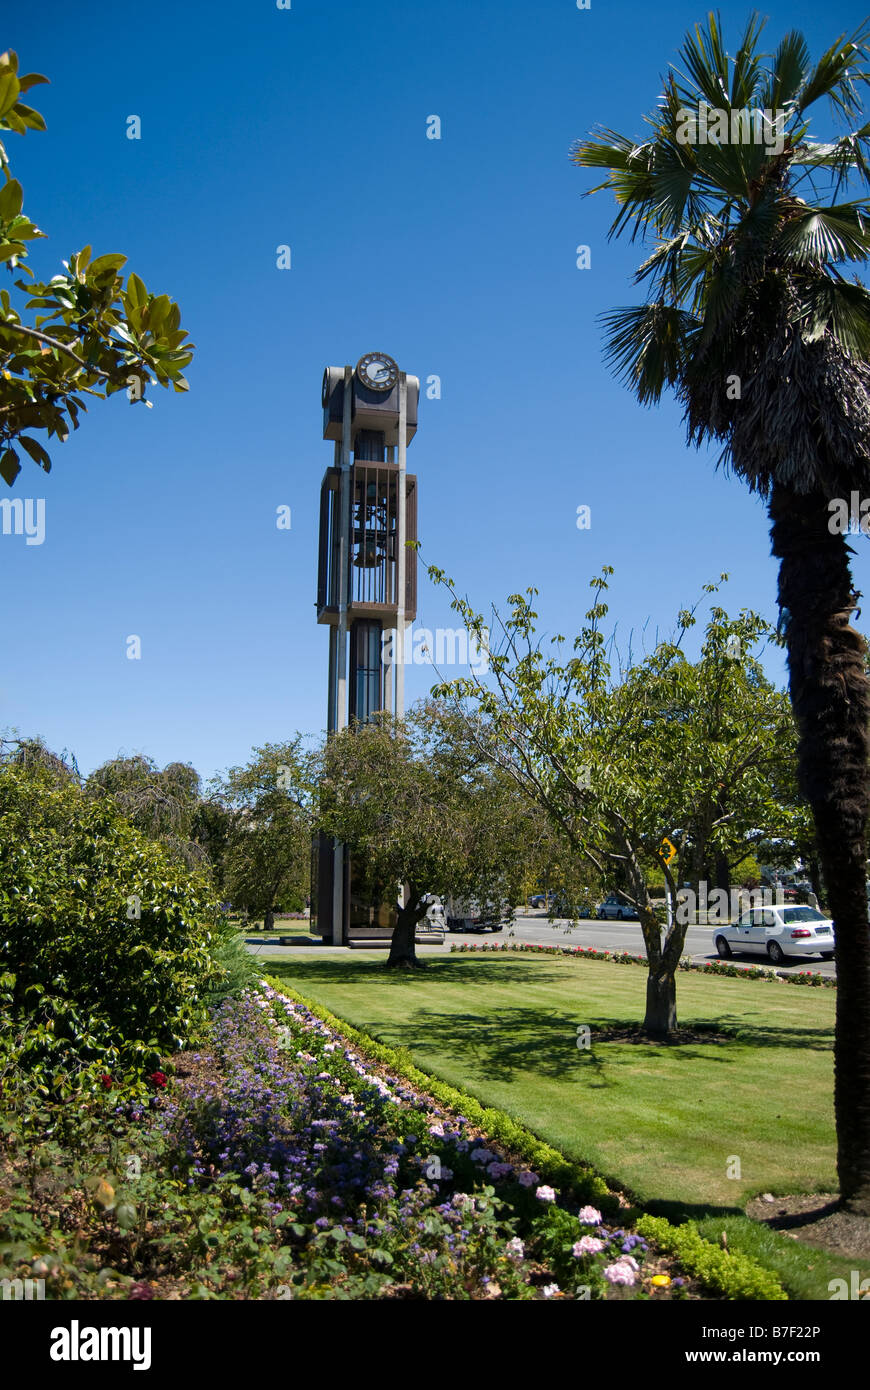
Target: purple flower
<point>587,1245</point>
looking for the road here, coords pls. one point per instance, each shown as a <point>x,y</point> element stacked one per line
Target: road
<point>626,936</point>
<point>534,927</point>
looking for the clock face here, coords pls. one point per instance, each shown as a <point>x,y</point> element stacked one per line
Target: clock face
<point>377,371</point>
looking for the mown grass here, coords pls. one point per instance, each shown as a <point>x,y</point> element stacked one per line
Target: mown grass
<point>665,1122</point>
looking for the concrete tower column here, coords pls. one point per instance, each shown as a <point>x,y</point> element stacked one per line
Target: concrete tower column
<point>399,650</point>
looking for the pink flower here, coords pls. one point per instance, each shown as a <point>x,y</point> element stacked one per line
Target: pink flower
<point>515,1249</point>
<point>621,1272</point>
<point>545,1194</point>
<point>587,1245</point>
<point>588,1216</point>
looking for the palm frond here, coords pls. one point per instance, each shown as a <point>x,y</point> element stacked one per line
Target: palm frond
<point>707,62</point>
<point>747,64</point>
<point>722,296</point>
<point>844,156</point>
<point>836,74</point>
<point>823,236</point>
<point>607,149</point>
<point>754,237</point>
<point>731,168</point>
<point>790,65</point>
<point>663,260</point>
<point>839,308</point>
<point>645,345</point>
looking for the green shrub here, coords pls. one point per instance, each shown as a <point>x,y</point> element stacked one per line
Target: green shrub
<point>105,945</point>
<point>731,1274</point>
<point>238,967</point>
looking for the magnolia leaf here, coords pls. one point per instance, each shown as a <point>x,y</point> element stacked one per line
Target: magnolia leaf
<point>36,451</point>
<point>9,466</point>
<point>111,261</point>
<point>11,198</point>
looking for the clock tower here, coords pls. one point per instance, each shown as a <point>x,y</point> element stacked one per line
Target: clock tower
<point>366,589</point>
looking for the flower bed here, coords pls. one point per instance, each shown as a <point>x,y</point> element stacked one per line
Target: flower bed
<point>296,1158</point>
<point>377,1190</point>
<point>710,967</point>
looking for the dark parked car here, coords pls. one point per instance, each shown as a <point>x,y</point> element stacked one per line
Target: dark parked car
<point>615,907</point>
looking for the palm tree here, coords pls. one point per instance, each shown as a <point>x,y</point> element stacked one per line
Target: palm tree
<point>766,343</point>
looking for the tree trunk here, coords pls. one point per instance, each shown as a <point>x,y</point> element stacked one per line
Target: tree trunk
<point>269,919</point>
<point>403,954</point>
<point>816,881</point>
<point>660,1019</point>
<point>661,1002</point>
<point>830,697</point>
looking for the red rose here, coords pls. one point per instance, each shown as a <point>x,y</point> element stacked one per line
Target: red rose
<point>158,1078</point>
<point>107,1082</point>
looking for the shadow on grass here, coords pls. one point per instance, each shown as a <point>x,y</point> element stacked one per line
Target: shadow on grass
<point>542,1042</point>
<point>533,1038</point>
<point>341,971</point>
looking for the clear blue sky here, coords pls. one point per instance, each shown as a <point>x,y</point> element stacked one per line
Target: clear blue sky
<point>307,127</point>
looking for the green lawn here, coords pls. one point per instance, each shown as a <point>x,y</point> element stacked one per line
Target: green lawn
<point>662,1121</point>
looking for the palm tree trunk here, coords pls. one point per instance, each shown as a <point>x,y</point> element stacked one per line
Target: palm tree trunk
<point>830,697</point>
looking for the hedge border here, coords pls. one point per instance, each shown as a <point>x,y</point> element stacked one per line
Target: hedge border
<point>734,1275</point>
<point>731,1273</point>
<point>711,967</point>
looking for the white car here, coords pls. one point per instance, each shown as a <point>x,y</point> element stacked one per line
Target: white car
<point>777,932</point>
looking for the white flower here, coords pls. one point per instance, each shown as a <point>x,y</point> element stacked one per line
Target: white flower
<point>549,1289</point>
<point>588,1216</point>
<point>515,1249</point>
<point>545,1194</point>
